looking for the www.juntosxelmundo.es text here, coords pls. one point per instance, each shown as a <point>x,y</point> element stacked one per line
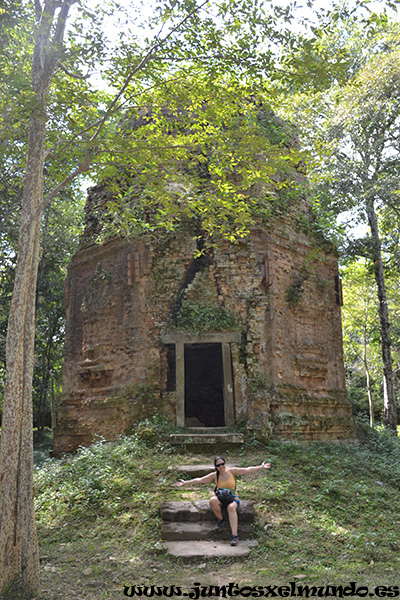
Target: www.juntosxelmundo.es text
<point>290,590</point>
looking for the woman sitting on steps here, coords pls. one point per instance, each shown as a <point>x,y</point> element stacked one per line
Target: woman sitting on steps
<point>224,479</point>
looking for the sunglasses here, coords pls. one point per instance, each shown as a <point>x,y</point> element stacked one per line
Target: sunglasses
<point>220,465</point>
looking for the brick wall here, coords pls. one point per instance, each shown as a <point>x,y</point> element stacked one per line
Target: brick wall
<point>277,288</point>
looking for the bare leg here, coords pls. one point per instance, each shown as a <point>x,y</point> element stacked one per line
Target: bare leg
<point>233,518</point>
<point>216,507</point>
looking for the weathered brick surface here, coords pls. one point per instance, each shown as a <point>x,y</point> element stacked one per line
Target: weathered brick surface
<point>288,373</point>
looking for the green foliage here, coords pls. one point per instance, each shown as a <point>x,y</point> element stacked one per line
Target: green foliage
<point>61,227</point>
<point>258,382</point>
<point>294,293</point>
<point>334,45</point>
<point>154,432</point>
<point>42,445</point>
<point>361,337</point>
<point>99,479</point>
<point>350,127</point>
<point>186,69</point>
<point>202,317</point>
<point>219,163</point>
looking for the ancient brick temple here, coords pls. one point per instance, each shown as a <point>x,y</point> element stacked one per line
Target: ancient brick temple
<point>247,334</point>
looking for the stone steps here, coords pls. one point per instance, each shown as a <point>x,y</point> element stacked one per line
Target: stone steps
<point>175,532</point>
<point>197,440</point>
<point>188,530</point>
<point>188,551</point>
<point>207,429</point>
<point>200,510</point>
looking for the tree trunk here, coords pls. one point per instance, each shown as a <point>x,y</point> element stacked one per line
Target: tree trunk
<point>53,407</point>
<point>367,374</point>
<point>389,399</point>
<point>19,555</point>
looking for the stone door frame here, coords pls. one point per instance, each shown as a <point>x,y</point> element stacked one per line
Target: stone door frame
<point>225,339</point>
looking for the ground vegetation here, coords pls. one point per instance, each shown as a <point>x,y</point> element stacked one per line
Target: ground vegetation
<point>324,515</point>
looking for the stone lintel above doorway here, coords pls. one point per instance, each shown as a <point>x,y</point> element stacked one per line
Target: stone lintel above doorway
<point>223,338</point>
<point>201,338</point>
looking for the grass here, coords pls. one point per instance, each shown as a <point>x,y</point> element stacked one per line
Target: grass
<point>326,514</point>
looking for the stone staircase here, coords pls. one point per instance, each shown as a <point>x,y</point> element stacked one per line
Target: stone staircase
<point>188,528</point>
<point>207,439</point>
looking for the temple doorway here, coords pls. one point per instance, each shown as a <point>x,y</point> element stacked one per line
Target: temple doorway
<point>204,386</point>
<point>199,372</point>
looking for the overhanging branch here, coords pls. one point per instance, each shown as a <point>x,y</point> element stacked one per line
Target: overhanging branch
<point>70,74</point>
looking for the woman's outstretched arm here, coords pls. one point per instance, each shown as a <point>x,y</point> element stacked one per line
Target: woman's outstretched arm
<point>206,479</point>
<point>245,470</point>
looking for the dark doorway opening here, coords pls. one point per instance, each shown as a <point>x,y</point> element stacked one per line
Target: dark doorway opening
<point>204,386</point>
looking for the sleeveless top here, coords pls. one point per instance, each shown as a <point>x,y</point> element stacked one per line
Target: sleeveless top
<point>229,483</point>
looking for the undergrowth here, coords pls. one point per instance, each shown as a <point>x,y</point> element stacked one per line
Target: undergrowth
<point>325,514</point>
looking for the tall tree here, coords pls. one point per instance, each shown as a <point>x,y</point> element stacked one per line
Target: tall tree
<point>18,540</point>
<point>355,152</point>
<point>364,134</point>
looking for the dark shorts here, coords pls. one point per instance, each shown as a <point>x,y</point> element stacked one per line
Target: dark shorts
<point>236,499</point>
